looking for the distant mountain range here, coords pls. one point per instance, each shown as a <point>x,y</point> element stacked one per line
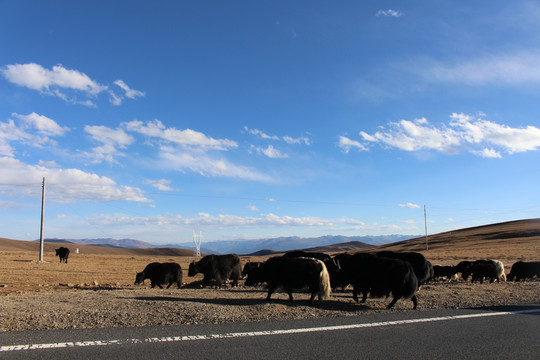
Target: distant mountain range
<point>122,243</point>
<point>246,247</point>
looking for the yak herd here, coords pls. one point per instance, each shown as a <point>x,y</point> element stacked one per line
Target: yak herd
<point>380,274</point>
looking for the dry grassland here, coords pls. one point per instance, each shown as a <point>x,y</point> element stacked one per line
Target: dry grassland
<point>95,288</point>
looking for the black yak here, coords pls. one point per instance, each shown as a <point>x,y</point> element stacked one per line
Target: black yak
<point>249,266</point>
<point>466,268</point>
<point>441,271</point>
<point>62,253</point>
<point>522,270</point>
<point>422,268</point>
<point>292,273</point>
<point>217,267</point>
<point>161,274</point>
<point>380,276</point>
<point>481,271</point>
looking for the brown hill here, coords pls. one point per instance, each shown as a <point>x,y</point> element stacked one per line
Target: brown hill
<point>507,242</point>
<point>521,238</point>
<point>506,233</point>
<point>14,245</point>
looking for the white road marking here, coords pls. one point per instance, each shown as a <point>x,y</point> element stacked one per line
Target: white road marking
<point>251,334</point>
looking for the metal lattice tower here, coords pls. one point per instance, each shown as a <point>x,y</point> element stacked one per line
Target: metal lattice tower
<point>197,239</point>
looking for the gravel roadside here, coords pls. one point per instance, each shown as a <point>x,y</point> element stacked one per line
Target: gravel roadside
<point>129,306</point>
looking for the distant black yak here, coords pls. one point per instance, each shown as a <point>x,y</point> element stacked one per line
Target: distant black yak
<point>522,270</point>
<point>443,271</point>
<point>467,268</point>
<point>62,253</point>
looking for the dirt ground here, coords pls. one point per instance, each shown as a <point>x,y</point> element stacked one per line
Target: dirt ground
<point>97,290</point>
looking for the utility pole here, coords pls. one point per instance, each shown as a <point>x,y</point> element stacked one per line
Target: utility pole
<point>42,216</point>
<point>425,226</point>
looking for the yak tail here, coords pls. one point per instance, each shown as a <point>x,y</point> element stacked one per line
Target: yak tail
<point>324,283</point>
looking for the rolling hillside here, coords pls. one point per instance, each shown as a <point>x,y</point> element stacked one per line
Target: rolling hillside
<point>517,233</point>
<point>522,233</point>
<point>14,245</point>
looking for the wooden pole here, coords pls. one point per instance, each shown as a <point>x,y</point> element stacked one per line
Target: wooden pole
<point>42,217</point>
<point>425,226</point>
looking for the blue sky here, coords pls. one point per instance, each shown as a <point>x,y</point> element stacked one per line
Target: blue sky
<point>256,119</point>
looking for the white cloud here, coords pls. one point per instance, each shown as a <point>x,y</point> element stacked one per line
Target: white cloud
<point>115,99</point>
<point>260,134</point>
<point>10,132</point>
<point>223,221</point>
<point>514,69</point>
<point>42,124</point>
<point>186,138</point>
<point>483,131</point>
<point>52,82</point>
<point>33,129</point>
<point>488,153</point>
<point>270,152</point>
<point>65,83</point>
<point>112,140</point>
<point>190,150</point>
<point>208,166</point>
<point>479,136</point>
<point>288,139</point>
<point>109,136</point>
<point>51,163</point>
<point>128,92</point>
<point>409,205</point>
<point>389,13</point>
<point>346,144</point>
<point>519,69</point>
<point>253,208</point>
<point>161,184</point>
<point>415,135</point>
<point>301,140</point>
<point>63,185</point>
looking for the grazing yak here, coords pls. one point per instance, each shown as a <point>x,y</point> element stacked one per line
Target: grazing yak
<point>161,274</point>
<point>493,269</point>
<point>217,267</point>
<point>480,272</point>
<point>249,266</point>
<point>380,276</point>
<point>443,271</point>
<point>62,253</point>
<point>464,266</point>
<point>292,273</point>
<point>422,268</point>
<point>522,270</point>
<point>331,265</point>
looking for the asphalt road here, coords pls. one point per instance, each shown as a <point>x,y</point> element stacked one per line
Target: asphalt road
<point>511,332</point>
